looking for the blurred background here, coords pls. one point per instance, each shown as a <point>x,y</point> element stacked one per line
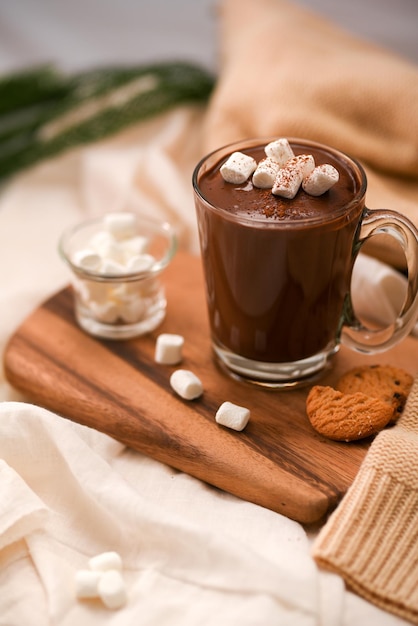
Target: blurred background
<point>78,34</point>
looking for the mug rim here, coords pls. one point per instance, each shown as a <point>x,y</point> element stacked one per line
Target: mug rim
<point>254,223</point>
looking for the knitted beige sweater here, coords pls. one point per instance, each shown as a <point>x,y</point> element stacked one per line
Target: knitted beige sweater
<point>371,539</point>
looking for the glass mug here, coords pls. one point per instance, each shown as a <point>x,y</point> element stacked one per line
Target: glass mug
<point>278,288</point>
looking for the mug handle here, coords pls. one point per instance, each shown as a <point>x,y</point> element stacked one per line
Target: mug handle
<point>353,333</point>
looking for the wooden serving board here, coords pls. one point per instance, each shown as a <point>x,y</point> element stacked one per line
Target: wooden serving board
<point>278,461</point>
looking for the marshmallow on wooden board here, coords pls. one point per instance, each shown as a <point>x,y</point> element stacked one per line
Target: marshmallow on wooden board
<point>168,349</point>
<point>238,168</point>
<point>265,173</point>
<point>186,384</point>
<point>320,180</point>
<point>111,589</point>
<point>279,150</point>
<point>233,416</point>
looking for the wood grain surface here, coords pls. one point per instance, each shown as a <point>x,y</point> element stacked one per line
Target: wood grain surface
<point>278,461</point>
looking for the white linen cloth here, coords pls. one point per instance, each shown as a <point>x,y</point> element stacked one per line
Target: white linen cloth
<point>191,553</point>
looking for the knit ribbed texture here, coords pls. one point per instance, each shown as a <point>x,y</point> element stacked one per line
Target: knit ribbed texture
<point>371,539</point>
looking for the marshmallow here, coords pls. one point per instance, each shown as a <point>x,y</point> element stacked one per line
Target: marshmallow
<point>103,580</point>
<point>265,173</point>
<point>120,224</point>
<point>100,241</point>
<point>186,384</point>
<point>320,180</point>
<point>238,168</point>
<point>132,310</point>
<point>288,181</point>
<point>86,582</point>
<point>168,349</point>
<point>106,312</point>
<point>140,263</point>
<point>87,260</point>
<point>108,255</point>
<point>105,561</point>
<point>109,267</point>
<point>232,416</point>
<point>279,150</point>
<point>111,589</point>
<point>114,251</point>
<point>304,162</point>
<point>134,246</point>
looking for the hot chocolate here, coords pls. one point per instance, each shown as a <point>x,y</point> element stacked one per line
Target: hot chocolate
<point>280,226</point>
<point>277,270</point>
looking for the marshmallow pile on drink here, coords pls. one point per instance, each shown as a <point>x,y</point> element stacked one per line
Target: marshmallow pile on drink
<point>281,171</point>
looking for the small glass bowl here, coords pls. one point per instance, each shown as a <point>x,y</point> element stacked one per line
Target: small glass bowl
<point>118,293</point>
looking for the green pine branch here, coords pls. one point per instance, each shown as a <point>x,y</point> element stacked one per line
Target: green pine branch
<point>43,113</point>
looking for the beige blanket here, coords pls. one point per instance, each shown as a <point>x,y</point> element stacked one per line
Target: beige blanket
<point>287,72</point>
